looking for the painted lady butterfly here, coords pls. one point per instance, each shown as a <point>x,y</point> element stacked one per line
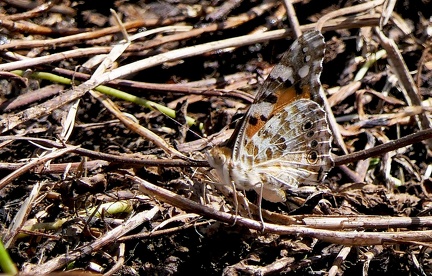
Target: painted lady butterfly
<point>284,140</point>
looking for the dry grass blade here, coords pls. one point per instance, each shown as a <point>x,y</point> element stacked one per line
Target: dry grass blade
<point>11,121</point>
<point>107,238</point>
<point>343,254</point>
<point>349,10</point>
<point>292,18</point>
<point>132,161</point>
<point>20,217</point>
<point>134,126</point>
<point>188,87</point>
<point>408,84</point>
<point>34,163</point>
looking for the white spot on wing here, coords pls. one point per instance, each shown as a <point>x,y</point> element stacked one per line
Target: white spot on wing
<point>283,72</point>
<point>304,71</point>
<point>263,108</point>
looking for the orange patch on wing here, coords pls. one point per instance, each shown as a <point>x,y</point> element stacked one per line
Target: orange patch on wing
<point>252,129</point>
<point>285,96</point>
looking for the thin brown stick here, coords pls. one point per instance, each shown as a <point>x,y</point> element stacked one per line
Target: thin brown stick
<point>125,160</point>
<point>31,97</point>
<point>349,10</point>
<point>36,11</point>
<point>381,149</point>
<point>339,160</point>
<point>338,237</point>
<point>137,128</point>
<point>28,27</point>
<point>57,168</point>
<point>7,179</point>
<point>292,17</point>
<point>185,88</point>
<point>157,233</point>
<point>28,4</point>
<point>407,82</point>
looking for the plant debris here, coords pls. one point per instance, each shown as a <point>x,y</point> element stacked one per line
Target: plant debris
<point>108,109</point>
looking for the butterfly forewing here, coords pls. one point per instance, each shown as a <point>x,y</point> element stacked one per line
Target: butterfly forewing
<point>285,136</point>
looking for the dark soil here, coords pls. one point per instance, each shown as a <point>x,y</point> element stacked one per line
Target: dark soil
<point>59,218</point>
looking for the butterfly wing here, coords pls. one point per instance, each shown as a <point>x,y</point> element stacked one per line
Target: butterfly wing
<point>285,137</point>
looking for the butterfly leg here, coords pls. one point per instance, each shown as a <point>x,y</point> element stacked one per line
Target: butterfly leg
<point>236,203</point>
<point>259,206</point>
<point>246,205</point>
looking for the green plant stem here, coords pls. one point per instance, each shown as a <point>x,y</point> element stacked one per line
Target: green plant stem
<point>109,91</point>
<point>370,60</point>
<point>6,263</point>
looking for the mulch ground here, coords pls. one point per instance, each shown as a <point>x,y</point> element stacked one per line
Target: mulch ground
<point>103,167</point>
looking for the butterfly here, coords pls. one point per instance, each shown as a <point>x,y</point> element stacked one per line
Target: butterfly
<point>284,140</point>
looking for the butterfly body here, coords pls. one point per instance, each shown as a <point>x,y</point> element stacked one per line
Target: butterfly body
<point>284,140</point>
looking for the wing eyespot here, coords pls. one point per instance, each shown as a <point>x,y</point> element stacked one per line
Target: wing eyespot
<point>307,125</point>
<point>310,134</point>
<point>312,157</point>
<point>312,106</point>
<point>313,144</point>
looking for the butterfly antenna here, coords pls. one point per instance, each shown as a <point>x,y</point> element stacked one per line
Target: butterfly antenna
<point>179,124</point>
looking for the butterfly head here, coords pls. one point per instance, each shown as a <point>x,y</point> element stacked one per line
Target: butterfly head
<point>218,156</point>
